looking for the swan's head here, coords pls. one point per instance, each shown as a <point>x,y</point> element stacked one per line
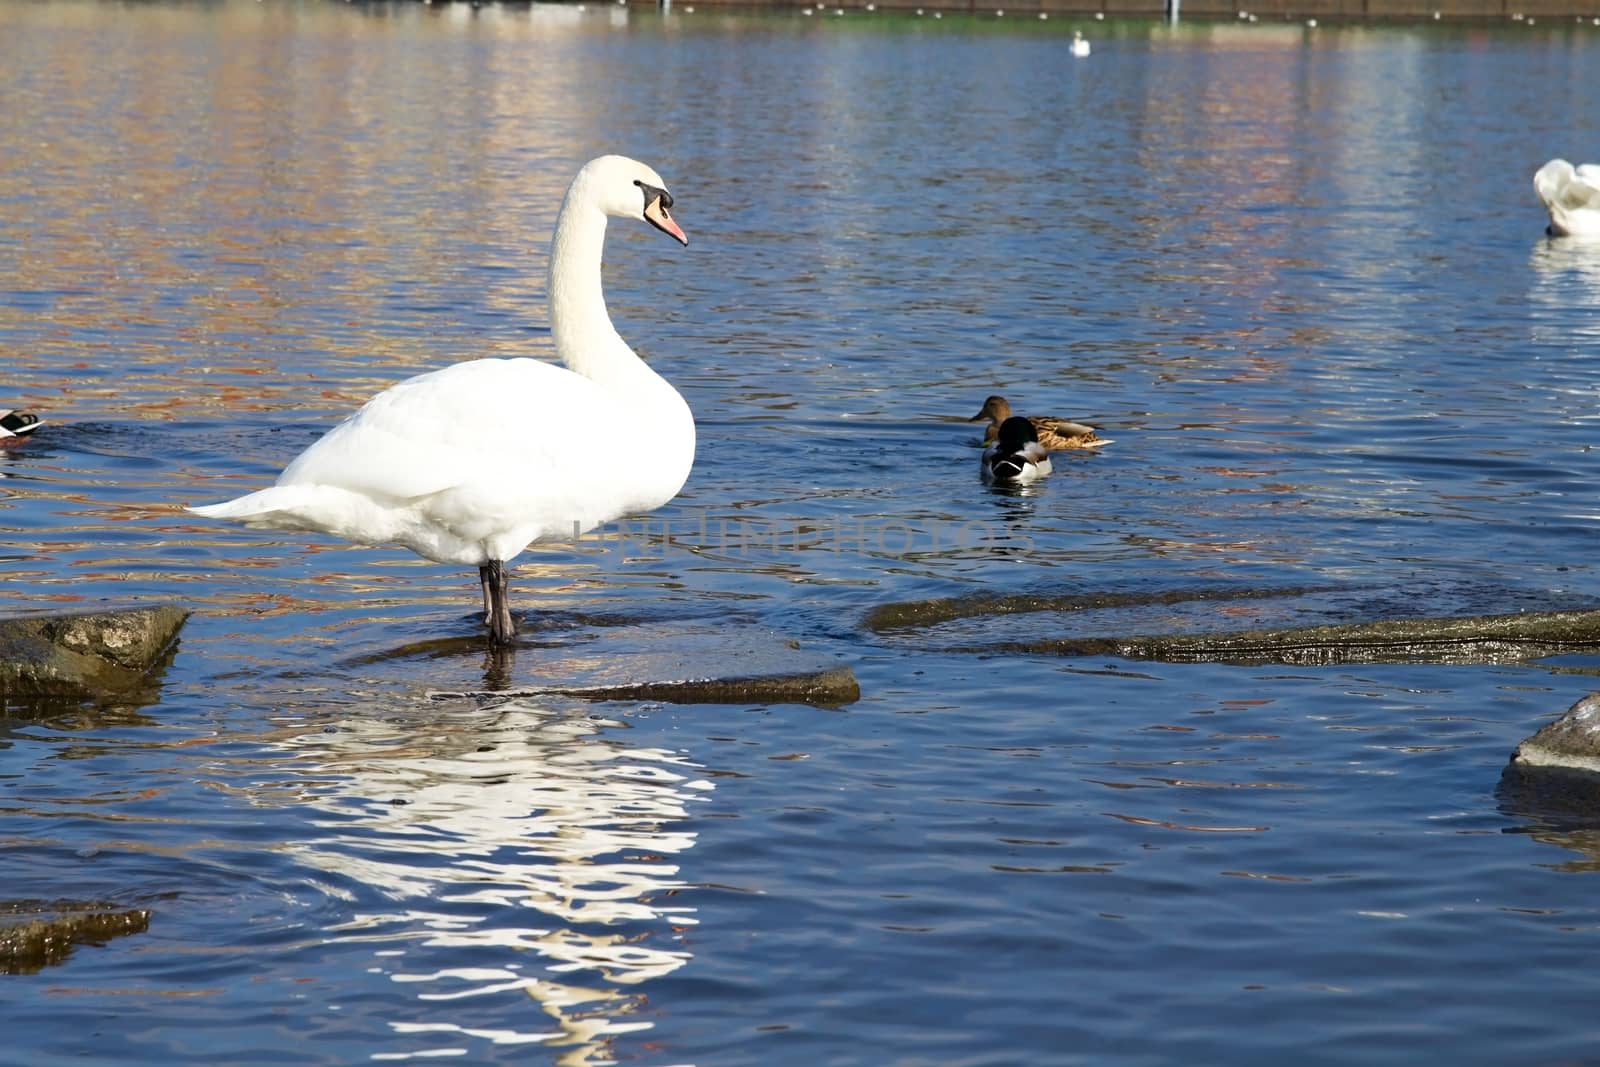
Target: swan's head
<point>995,410</point>
<point>628,189</point>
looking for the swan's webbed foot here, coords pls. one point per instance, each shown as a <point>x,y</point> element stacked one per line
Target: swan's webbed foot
<point>497,603</point>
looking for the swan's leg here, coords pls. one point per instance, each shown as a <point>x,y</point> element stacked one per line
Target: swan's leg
<point>502,630</point>
<point>483,580</point>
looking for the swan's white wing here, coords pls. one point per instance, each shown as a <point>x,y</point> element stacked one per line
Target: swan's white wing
<point>486,419</point>
<point>472,462</point>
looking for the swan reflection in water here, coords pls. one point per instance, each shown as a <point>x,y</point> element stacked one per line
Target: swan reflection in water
<point>1566,278</point>
<point>529,832</point>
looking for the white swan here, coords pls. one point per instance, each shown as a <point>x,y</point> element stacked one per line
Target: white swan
<point>1080,43</point>
<point>1572,197</point>
<point>475,462</point>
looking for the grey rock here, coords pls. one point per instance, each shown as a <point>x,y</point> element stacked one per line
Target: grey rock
<point>1572,740</point>
<point>86,655</point>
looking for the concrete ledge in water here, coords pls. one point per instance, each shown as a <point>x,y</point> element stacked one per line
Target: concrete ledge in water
<point>1505,638</point>
<point>679,664</point>
<point>84,655</point>
<point>34,934</point>
<point>918,614</point>
<point>1474,639</point>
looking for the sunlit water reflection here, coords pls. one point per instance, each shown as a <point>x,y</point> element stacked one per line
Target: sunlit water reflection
<point>523,834</point>
<point>1298,276</point>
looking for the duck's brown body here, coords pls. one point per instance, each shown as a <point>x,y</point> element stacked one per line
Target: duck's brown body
<point>1056,435</point>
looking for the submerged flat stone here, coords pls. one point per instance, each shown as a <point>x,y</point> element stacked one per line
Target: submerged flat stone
<point>1572,740</point>
<point>680,664</point>
<point>1500,638</point>
<point>34,934</point>
<point>921,614</point>
<point>84,655</point>
<point>1470,639</point>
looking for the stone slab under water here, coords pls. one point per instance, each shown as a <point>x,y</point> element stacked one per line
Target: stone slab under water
<point>1065,625</point>
<point>37,934</point>
<point>684,663</point>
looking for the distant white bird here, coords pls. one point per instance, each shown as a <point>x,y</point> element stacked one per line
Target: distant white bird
<point>475,462</point>
<point>1016,456</point>
<point>1080,43</point>
<point>1572,197</point>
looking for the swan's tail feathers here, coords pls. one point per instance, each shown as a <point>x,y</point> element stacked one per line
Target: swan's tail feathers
<point>293,507</point>
<point>253,505</point>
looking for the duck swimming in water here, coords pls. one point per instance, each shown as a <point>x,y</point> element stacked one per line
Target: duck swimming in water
<point>16,426</point>
<point>1016,457</point>
<point>1055,435</point>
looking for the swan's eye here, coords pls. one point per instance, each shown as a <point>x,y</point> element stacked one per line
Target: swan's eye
<point>653,193</point>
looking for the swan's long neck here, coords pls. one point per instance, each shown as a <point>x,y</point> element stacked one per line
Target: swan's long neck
<point>585,339</point>
<point>589,345</point>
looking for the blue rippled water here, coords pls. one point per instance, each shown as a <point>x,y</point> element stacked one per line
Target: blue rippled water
<point>1297,275</point>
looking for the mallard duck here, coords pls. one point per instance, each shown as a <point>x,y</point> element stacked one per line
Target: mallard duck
<point>1055,435</point>
<point>1016,456</point>
<point>1571,196</point>
<point>505,465</point>
<point>16,425</point>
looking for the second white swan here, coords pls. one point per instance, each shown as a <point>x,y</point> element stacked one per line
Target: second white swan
<point>473,463</point>
<point>1571,196</point>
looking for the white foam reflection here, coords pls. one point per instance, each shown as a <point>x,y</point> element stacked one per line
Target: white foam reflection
<point>529,832</point>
